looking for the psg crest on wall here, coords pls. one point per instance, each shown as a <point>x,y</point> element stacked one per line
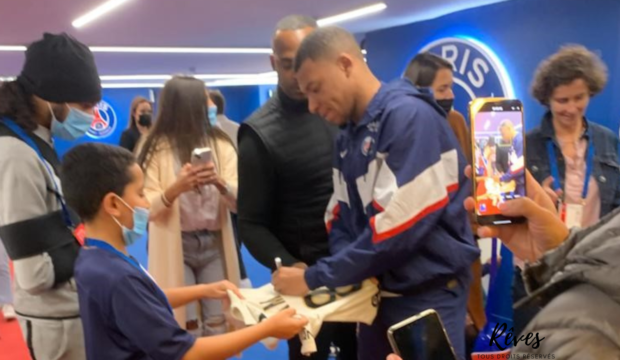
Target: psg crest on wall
<point>478,72</point>
<point>104,123</point>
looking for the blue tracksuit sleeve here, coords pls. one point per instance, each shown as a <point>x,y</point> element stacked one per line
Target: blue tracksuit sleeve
<point>408,186</point>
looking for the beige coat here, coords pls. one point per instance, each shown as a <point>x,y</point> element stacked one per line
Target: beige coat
<point>165,244</point>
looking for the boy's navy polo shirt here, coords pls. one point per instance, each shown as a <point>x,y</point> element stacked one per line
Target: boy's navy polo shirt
<point>124,315</point>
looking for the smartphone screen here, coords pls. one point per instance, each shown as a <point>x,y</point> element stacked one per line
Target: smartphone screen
<point>422,338</point>
<point>498,142</point>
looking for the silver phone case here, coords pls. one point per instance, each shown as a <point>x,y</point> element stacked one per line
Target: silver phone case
<point>411,320</point>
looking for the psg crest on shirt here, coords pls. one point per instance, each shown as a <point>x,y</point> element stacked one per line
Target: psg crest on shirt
<point>367,145</point>
<point>104,122</point>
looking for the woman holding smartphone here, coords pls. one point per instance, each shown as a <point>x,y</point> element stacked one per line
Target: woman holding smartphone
<point>190,234</point>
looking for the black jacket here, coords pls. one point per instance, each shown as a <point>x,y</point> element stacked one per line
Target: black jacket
<point>285,182</point>
<point>129,139</point>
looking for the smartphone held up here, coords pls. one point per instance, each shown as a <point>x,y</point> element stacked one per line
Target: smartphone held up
<point>201,156</point>
<point>421,337</point>
<point>498,145</point>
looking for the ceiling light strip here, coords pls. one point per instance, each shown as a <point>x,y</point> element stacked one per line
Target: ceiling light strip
<point>97,12</point>
<point>178,50</point>
<point>168,77</point>
<point>158,50</point>
<point>216,83</point>
<point>352,14</point>
<point>244,82</point>
<point>12,48</point>
<point>132,85</point>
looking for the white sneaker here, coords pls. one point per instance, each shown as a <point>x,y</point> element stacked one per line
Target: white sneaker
<point>9,312</point>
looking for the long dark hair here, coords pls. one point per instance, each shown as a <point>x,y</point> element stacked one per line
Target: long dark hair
<point>424,67</point>
<point>182,121</point>
<point>16,103</point>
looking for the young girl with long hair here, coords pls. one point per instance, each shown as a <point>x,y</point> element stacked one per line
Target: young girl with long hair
<point>190,234</point>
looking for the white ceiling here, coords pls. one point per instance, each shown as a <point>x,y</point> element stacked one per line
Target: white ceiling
<point>191,23</point>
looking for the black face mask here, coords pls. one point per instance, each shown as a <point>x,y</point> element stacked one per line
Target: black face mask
<point>446,104</point>
<point>145,120</point>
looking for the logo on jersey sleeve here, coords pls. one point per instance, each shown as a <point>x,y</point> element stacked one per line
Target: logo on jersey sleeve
<point>105,121</point>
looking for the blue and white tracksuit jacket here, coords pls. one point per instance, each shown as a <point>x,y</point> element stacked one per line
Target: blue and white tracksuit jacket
<point>397,210</point>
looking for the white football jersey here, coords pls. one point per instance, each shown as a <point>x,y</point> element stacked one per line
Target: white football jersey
<point>351,304</point>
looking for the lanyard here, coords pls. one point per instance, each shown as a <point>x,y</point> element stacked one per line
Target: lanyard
<point>554,167</point>
<point>28,140</point>
<point>133,262</point>
<point>493,270</point>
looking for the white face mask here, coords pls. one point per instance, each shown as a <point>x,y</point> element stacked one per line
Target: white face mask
<point>75,125</point>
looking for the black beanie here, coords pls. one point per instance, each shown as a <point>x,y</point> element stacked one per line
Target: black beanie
<point>61,69</point>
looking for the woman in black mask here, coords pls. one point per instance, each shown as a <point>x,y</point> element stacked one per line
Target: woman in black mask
<point>140,119</point>
<point>427,70</point>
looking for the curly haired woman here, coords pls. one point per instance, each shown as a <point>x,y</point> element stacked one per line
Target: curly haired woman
<point>574,159</point>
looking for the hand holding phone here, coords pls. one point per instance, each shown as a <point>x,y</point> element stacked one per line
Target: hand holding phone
<point>421,337</point>
<point>202,163</point>
<point>543,230</point>
<point>201,171</point>
<point>187,180</point>
<point>498,144</point>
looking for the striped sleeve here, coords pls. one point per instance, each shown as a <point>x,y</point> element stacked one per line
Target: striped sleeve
<point>408,187</point>
<point>430,189</point>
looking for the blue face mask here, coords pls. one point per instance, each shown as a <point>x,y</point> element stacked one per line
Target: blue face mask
<point>212,114</point>
<point>75,125</point>
<point>140,224</point>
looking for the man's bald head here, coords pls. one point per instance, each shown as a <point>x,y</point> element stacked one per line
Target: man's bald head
<point>327,42</point>
<point>287,37</point>
<point>295,22</point>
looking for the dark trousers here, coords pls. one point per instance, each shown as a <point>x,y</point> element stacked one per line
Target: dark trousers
<point>451,304</point>
<point>242,272</point>
<point>342,335</point>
